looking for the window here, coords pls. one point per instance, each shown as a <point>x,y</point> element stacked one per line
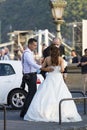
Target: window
<point>6,69</point>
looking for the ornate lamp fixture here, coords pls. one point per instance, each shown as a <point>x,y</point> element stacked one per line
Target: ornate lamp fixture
<point>57,7</point>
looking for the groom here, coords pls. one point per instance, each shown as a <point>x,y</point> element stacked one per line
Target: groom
<point>30,67</point>
<point>29,73</point>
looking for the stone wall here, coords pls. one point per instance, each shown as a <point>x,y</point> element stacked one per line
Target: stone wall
<point>74,77</point>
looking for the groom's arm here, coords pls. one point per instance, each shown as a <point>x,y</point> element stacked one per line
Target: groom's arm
<point>47,69</point>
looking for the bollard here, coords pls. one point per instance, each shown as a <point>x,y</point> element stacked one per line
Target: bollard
<point>4,117</point>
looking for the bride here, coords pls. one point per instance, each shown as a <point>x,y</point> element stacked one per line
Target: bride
<point>45,104</point>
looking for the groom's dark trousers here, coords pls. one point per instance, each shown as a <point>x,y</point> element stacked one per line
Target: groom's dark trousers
<point>30,79</point>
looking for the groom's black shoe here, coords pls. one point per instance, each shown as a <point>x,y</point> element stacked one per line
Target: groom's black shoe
<point>21,115</point>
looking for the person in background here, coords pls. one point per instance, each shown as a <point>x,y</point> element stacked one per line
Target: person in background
<point>7,52</point>
<point>84,69</point>
<point>17,55</point>
<point>43,47</point>
<point>75,57</point>
<point>58,43</point>
<point>3,55</point>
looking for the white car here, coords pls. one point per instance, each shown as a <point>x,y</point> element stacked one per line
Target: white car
<point>10,81</point>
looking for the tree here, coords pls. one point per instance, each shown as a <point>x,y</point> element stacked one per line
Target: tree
<point>31,14</point>
<point>2,0</point>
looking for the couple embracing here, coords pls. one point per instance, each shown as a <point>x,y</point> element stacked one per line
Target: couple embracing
<point>43,104</point>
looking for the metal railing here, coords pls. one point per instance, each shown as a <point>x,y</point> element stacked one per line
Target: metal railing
<point>4,117</point>
<point>73,69</point>
<point>78,91</point>
<point>67,99</point>
<point>83,94</point>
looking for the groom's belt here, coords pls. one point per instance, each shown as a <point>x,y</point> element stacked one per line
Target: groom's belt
<point>32,73</point>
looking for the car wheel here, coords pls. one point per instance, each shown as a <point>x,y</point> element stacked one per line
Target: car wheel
<point>17,98</point>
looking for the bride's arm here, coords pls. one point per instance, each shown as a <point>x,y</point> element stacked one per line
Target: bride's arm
<point>44,64</point>
<point>47,69</point>
<point>62,64</point>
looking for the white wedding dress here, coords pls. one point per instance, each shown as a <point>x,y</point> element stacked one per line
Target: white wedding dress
<point>45,104</point>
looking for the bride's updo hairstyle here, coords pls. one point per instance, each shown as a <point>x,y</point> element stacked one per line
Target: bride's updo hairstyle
<point>54,53</point>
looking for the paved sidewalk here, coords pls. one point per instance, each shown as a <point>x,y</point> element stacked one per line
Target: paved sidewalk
<point>14,122</point>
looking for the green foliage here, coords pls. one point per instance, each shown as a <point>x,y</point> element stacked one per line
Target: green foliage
<point>32,14</point>
<point>76,10</point>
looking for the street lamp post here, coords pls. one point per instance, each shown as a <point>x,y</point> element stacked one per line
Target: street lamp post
<point>57,7</point>
<point>73,31</point>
